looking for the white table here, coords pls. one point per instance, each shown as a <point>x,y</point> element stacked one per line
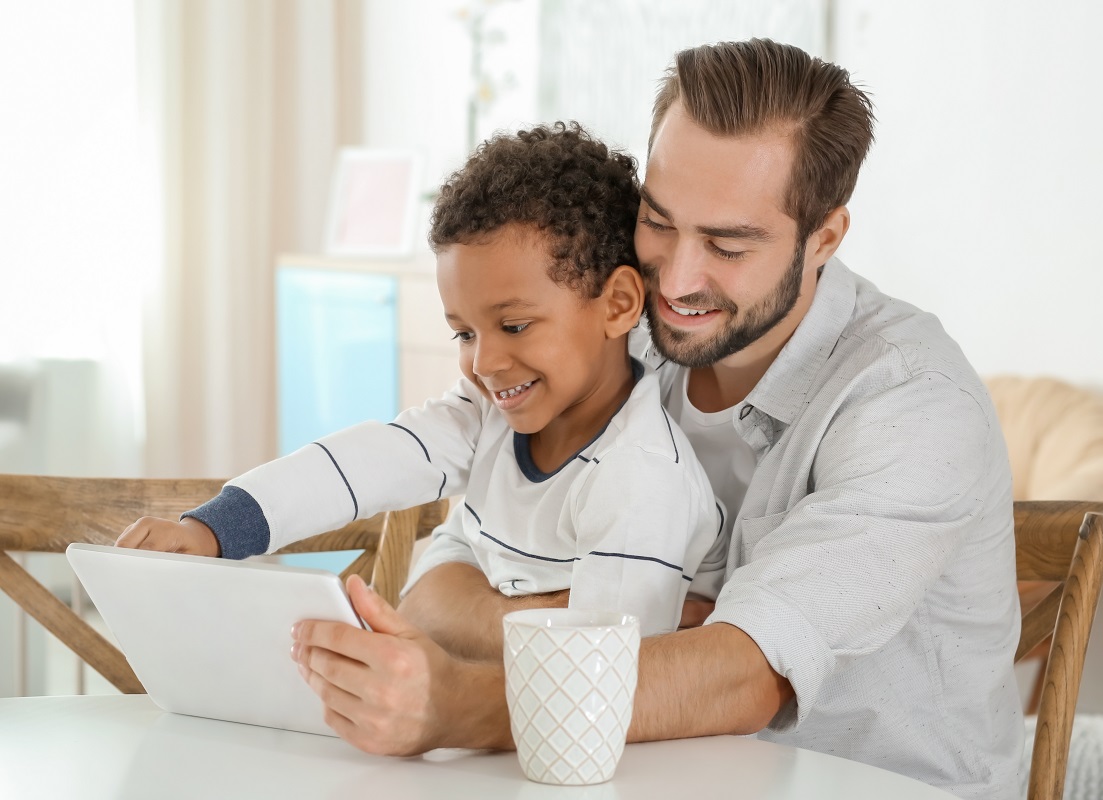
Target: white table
<point>80,748</point>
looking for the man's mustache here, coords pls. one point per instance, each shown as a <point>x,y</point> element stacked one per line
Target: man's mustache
<point>703,299</point>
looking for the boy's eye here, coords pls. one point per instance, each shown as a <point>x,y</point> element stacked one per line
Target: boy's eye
<point>515,328</point>
<point>464,336</point>
<point>653,225</point>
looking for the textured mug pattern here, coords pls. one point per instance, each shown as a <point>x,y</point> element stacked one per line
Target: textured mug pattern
<point>570,683</point>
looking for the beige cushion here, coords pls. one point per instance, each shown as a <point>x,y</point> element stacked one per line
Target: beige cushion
<point>1054,435</point>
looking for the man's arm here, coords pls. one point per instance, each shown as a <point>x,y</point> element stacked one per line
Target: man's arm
<point>394,691</point>
<point>702,682</point>
<point>458,608</point>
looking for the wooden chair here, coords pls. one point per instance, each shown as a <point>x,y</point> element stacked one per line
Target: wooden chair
<point>1060,542</point>
<point>46,514</point>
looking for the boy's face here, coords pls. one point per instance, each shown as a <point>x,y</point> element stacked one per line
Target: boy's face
<point>536,348</point>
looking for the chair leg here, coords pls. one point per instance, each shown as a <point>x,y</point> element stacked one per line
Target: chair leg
<point>1041,654</point>
<point>59,619</point>
<point>396,547</point>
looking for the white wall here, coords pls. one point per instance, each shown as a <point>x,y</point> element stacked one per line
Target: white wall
<point>981,198</point>
<point>417,79</point>
<point>979,201</point>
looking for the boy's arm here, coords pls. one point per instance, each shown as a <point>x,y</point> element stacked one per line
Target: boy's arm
<point>352,474</point>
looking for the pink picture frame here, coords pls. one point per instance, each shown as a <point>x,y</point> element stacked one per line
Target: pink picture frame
<point>373,203</point>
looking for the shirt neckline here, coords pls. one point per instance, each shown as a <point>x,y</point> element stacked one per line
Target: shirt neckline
<point>522,442</point>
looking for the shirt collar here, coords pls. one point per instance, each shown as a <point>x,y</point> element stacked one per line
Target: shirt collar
<point>781,392</point>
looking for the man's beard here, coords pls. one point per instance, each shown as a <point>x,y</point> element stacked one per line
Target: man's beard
<point>743,328</point>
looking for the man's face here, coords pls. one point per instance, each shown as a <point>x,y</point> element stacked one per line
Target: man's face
<point>724,272</point>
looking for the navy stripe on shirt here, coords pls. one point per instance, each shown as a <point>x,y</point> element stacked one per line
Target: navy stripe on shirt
<point>511,548</point>
<point>476,516</point>
<point>671,432</point>
<point>637,558</point>
<point>424,449</point>
<point>352,494</point>
<point>523,553</point>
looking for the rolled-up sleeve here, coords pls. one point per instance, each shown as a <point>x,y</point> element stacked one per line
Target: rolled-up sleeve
<point>892,490</point>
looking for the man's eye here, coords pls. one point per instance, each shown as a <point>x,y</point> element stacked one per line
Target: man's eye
<point>515,328</point>
<point>464,336</point>
<point>653,225</point>
<point>728,255</point>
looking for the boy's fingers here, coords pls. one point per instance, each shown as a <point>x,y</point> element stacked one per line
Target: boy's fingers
<point>132,536</point>
<point>695,611</point>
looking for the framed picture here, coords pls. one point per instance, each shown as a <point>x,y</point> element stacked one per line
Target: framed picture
<point>373,203</point>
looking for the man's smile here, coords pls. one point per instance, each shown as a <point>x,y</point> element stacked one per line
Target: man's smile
<point>689,312</point>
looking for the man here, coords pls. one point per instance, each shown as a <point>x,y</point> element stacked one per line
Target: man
<point>870,607</point>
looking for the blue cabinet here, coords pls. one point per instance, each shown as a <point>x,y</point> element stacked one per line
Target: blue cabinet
<point>337,351</point>
<point>355,340</point>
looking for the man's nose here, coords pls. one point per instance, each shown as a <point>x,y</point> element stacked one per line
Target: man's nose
<point>682,269</point>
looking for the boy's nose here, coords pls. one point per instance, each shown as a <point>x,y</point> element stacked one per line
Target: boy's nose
<point>489,359</point>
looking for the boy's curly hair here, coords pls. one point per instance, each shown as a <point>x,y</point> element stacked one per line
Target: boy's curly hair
<point>583,196</point>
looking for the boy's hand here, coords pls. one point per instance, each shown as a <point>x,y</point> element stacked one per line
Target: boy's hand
<point>695,611</point>
<point>187,536</point>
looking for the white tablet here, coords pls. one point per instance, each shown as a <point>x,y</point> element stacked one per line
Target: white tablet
<point>211,637</point>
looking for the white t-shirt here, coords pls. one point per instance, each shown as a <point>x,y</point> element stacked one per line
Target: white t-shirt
<point>727,459</point>
<point>629,523</point>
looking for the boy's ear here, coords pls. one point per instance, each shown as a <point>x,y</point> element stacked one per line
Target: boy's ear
<point>623,298</point>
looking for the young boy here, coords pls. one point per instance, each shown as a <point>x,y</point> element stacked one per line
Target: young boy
<point>573,476</point>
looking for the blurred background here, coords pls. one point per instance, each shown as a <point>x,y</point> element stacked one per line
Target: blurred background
<point>162,160</point>
<point>159,156</point>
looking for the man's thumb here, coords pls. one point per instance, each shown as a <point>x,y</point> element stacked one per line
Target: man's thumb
<point>376,612</point>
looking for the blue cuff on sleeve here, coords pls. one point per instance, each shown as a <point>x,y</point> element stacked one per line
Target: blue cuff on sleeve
<point>237,521</point>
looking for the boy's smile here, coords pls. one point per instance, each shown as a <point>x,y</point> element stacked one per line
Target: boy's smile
<point>540,350</point>
<point>511,398</point>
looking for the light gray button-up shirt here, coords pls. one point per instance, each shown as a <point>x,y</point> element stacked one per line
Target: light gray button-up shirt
<point>873,558</point>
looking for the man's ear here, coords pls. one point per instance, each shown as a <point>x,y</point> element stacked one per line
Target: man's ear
<point>824,242</point>
<point>623,298</point>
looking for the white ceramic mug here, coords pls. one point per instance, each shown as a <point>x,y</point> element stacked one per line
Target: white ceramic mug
<point>570,683</point>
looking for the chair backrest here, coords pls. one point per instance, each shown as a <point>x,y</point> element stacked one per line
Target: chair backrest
<point>1054,434</point>
<point>46,514</point>
<point>1062,543</point>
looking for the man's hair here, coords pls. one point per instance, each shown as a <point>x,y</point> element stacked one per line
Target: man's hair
<point>756,86</point>
<point>559,180</point>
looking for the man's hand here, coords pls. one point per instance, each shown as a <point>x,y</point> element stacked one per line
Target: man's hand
<point>187,536</point>
<point>392,690</point>
<point>456,606</point>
